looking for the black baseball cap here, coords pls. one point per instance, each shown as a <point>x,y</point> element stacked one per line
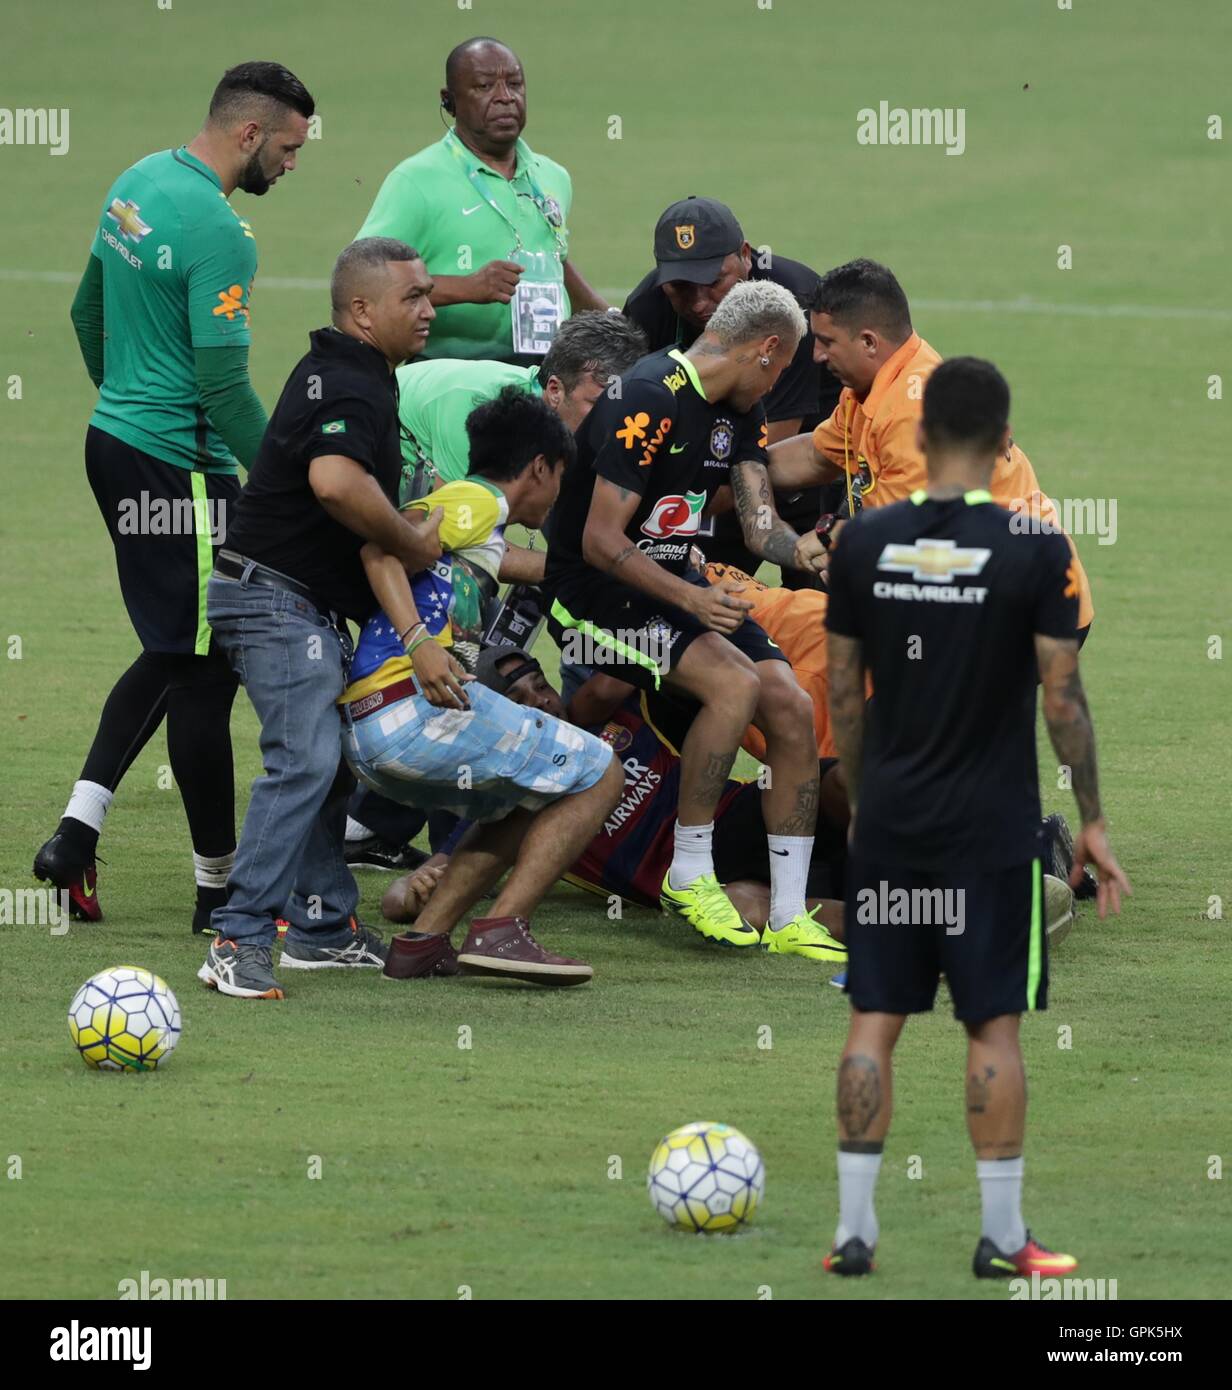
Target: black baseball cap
<point>692,238</point>
<point>491,657</point>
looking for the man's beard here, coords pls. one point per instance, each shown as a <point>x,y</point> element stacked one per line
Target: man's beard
<point>253,179</point>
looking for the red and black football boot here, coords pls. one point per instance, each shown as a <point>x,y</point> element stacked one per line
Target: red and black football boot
<point>1033,1258</point>
<point>55,864</point>
<point>853,1257</point>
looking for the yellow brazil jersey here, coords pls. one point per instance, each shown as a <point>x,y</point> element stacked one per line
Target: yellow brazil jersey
<point>475,512</point>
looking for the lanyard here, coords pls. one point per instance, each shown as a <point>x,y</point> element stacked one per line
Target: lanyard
<point>548,208</point>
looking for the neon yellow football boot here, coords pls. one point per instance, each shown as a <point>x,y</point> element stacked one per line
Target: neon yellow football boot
<point>708,909</point>
<point>804,936</point>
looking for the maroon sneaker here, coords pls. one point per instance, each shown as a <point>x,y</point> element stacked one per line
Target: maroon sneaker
<point>411,957</point>
<point>504,946</point>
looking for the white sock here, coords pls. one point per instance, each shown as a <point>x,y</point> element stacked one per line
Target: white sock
<point>693,856</point>
<point>857,1177</point>
<point>789,866</point>
<point>1001,1200</point>
<point>213,873</point>
<point>89,804</point>
<point>355,831</point>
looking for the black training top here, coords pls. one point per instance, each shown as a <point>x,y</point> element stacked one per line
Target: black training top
<point>946,598</point>
<point>663,440</point>
<point>340,399</point>
<point>805,390</point>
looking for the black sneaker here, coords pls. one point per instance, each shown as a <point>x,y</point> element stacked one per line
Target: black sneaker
<point>364,948</point>
<point>374,853</point>
<point>1060,844</point>
<point>241,970</point>
<point>852,1257</point>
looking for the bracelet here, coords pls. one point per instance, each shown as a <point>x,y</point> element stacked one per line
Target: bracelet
<point>414,647</point>
<point>413,626</point>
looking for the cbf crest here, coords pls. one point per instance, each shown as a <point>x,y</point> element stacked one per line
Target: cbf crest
<point>721,440</point>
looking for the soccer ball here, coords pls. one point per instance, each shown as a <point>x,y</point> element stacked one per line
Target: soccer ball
<point>706,1177</point>
<point>124,1019</point>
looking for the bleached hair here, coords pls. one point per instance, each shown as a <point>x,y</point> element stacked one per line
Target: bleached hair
<point>755,309</point>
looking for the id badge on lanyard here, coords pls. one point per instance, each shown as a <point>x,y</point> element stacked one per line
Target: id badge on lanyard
<point>538,304</point>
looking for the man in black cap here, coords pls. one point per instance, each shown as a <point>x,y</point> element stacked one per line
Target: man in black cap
<point>700,253</point>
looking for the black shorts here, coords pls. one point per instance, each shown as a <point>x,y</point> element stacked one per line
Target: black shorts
<point>742,852</point>
<point>625,633</point>
<point>164,546</point>
<point>984,932</point>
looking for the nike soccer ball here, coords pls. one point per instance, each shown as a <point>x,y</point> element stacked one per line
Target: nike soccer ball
<point>706,1177</point>
<point>124,1019</point>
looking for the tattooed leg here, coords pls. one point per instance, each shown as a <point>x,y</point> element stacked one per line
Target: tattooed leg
<point>865,1090</point>
<point>785,716</point>
<point>723,681</point>
<point>996,1088</point>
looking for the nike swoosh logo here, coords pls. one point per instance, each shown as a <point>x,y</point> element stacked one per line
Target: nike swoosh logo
<point>783,852</point>
<point>466,212</point>
<point>678,448</point>
<point>86,892</point>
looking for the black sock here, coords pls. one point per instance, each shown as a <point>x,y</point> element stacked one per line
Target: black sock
<point>199,746</point>
<point>131,714</point>
<point>80,838</point>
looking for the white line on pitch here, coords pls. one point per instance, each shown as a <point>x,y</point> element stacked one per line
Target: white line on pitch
<point>958,306</point>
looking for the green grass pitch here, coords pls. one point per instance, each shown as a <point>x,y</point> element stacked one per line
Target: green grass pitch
<point>493,1167</point>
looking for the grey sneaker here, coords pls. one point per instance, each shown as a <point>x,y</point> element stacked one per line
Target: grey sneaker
<point>240,970</point>
<point>365,947</point>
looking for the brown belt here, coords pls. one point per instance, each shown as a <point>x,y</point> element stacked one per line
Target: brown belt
<point>380,699</point>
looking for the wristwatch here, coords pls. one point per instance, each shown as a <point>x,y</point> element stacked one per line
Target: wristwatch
<point>825,528</point>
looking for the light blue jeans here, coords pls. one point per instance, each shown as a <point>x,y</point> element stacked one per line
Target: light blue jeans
<point>289,862</point>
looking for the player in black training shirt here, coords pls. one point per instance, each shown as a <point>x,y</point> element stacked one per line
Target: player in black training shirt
<point>956,617</point>
<point>623,600</point>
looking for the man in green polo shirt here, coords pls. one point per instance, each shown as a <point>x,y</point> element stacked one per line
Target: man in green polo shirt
<point>161,317</point>
<point>435,397</point>
<point>488,215</point>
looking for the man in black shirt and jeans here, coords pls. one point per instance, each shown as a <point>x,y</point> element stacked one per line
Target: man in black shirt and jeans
<point>700,254</point>
<point>324,482</point>
<point>956,617</point>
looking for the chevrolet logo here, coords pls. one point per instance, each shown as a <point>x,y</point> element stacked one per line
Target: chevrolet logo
<point>935,560</point>
<point>132,228</point>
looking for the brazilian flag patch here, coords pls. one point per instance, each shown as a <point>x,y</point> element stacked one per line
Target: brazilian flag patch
<point>334,427</point>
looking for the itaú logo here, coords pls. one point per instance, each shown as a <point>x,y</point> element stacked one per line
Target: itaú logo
<point>675,516</point>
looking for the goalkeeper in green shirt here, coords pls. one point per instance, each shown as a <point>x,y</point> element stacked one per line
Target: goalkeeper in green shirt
<point>162,318</point>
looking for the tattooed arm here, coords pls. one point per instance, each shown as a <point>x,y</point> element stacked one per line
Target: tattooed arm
<point>845,668</point>
<point>606,546</point>
<point>765,532</point>
<point>1073,738</point>
<point>1069,720</point>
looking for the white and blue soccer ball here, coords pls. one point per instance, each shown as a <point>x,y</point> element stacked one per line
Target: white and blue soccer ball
<point>124,1019</point>
<point>706,1177</point>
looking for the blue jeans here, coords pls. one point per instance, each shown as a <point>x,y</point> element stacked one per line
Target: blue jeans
<point>289,862</point>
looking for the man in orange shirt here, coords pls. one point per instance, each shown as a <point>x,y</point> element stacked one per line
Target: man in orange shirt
<point>862,331</point>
